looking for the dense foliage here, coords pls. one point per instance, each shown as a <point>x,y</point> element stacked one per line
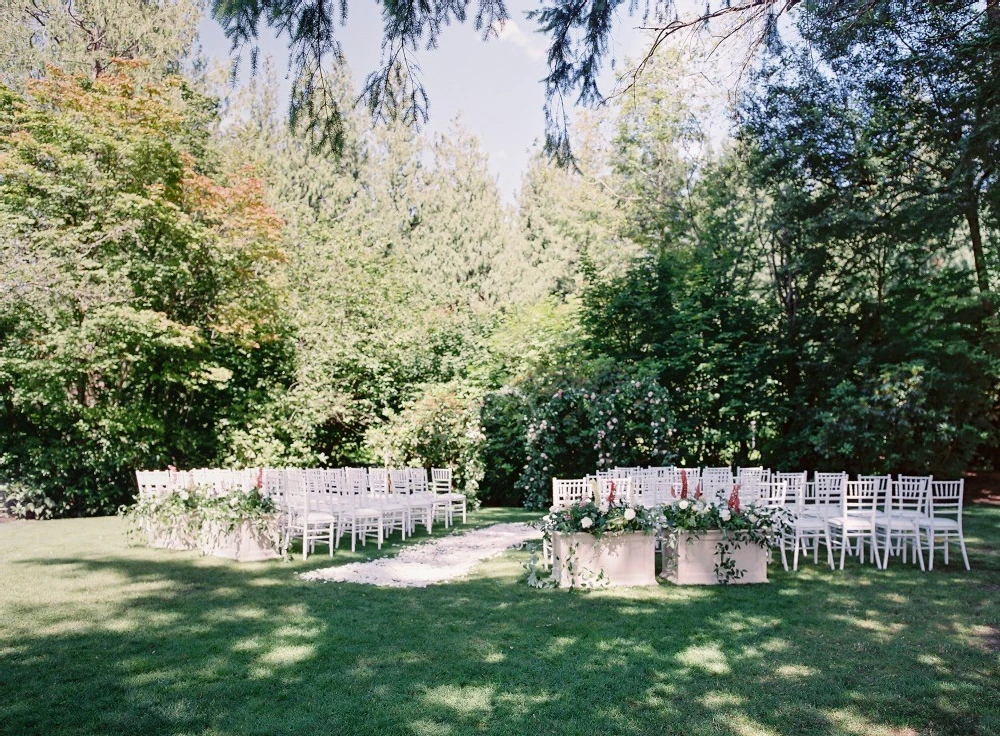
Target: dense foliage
<point>186,281</point>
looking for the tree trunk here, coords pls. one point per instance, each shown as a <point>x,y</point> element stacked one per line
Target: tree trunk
<point>976,238</point>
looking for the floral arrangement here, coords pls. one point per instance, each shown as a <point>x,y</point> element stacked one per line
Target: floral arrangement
<point>199,515</point>
<point>177,512</point>
<point>590,517</point>
<point>751,524</point>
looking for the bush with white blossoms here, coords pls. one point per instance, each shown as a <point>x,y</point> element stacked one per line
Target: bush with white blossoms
<point>589,517</point>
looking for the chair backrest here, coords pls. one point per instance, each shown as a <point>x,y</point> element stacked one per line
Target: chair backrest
<point>716,483</point>
<point>644,487</point>
<point>689,476</point>
<point>335,480</point>
<point>622,487</point>
<point>273,483</point>
<point>946,498</point>
<point>297,498</point>
<point>829,488</point>
<point>566,492</point>
<point>884,484</point>
<point>357,481</point>
<point>774,495</point>
<point>378,480</point>
<point>153,483</point>
<point>441,480</point>
<point>796,485</point>
<point>914,486</point>
<point>400,480</point>
<point>418,480</point>
<point>860,498</point>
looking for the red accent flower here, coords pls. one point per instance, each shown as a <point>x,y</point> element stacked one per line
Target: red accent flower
<point>684,484</point>
<point>260,479</point>
<point>697,492</point>
<point>734,499</point>
<point>611,495</point>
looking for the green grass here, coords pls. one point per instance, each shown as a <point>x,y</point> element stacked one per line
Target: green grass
<point>99,637</point>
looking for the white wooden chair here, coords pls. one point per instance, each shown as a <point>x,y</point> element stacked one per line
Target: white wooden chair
<point>944,519</point>
<point>441,479</point>
<point>897,525</point>
<point>303,520</point>
<point>858,505</point>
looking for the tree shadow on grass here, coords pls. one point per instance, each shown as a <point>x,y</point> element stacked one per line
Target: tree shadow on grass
<point>174,644</point>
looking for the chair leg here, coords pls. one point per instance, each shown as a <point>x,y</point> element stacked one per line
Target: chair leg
<point>795,555</point>
<point>917,551</point>
<point>961,543</point>
<point>843,547</point>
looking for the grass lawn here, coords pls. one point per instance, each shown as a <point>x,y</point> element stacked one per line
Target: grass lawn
<point>99,637</point>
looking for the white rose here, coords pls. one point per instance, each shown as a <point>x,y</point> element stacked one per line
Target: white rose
<point>586,522</point>
<point>603,508</point>
<point>185,495</point>
<point>553,509</point>
<point>629,514</point>
<point>233,501</point>
<point>684,504</point>
<point>725,515</point>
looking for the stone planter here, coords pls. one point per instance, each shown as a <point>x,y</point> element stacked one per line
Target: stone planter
<point>690,559</point>
<point>246,543</point>
<point>179,536</point>
<point>624,560</point>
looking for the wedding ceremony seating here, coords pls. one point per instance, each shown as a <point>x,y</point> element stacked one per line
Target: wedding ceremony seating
<point>872,518</point>
<point>322,505</point>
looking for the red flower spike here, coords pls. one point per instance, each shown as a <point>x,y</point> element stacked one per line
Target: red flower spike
<point>734,499</point>
<point>611,496</point>
<point>260,479</point>
<point>697,492</point>
<point>684,484</point>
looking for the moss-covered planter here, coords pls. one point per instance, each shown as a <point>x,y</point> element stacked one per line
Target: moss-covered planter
<point>583,560</point>
<point>691,559</point>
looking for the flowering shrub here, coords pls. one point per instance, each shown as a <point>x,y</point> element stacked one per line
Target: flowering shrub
<point>441,429</point>
<point>623,421</point>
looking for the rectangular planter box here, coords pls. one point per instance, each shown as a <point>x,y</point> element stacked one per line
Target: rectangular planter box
<point>244,544</point>
<point>691,560</point>
<point>179,537</point>
<point>625,560</point>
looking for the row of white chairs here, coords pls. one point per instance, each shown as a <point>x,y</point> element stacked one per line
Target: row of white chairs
<point>888,516</point>
<point>323,504</point>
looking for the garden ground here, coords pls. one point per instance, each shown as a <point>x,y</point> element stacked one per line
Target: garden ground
<point>100,637</point>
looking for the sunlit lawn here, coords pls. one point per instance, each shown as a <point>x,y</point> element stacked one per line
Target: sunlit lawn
<point>99,637</point>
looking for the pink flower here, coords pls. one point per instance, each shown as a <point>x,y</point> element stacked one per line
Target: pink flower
<point>734,499</point>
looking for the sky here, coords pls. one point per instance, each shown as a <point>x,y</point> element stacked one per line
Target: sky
<point>495,86</point>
